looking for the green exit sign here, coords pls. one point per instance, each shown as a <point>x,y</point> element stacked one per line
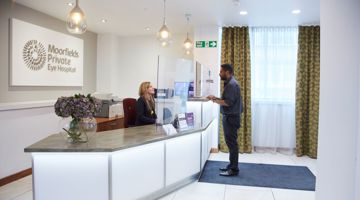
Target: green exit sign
<point>200,44</point>
<point>212,44</point>
<point>206,44</point>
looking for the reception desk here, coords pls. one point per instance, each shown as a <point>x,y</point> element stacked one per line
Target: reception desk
<point>134,163</point>
<point>106,124</point>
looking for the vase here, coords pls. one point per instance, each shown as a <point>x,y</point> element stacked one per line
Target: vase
<point>78,130</point>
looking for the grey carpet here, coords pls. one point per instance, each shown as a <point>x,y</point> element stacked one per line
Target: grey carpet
<point>262,175</point>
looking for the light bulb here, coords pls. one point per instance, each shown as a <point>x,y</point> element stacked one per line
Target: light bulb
<point>188,43</point>
<point>76,22</point>
<point>76,17</point>
<point>164,33</point>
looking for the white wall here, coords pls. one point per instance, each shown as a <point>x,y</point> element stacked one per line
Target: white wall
<point>8,94</point>
<point>19,129</point>
<point>136,60</point>
<point>125,62</point>
<point>107,62</point>
<point>339,99</point>
<point>357,177</point>
<point>357,174</point>
<point>210,57</point>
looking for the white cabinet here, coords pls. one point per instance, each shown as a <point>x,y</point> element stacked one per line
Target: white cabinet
<point>206,141</point>
<point>204,147</point>
<point>207,112</point>
<point>196,108</point>
<point>70,176</point>
<point>212,132</point>
<point>182,157</point>
<point>138,171</point>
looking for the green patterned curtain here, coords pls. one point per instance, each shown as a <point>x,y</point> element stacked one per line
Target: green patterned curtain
<point>235,50</point>
<point>307,91</point>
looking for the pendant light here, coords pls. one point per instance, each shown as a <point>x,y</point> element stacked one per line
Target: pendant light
<point>164,32</point>
<point>76,22</point>
<point>188,44</point>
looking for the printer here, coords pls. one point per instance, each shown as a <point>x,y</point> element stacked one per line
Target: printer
<point>110,108</point>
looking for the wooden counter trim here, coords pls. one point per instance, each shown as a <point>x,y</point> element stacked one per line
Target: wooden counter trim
<point>107,124</point>
<point>104,119</point>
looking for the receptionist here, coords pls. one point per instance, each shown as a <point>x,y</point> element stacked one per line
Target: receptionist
<point>145,105</point>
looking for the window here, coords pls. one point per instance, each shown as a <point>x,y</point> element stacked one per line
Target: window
<point>273,63</point>
<point>273,86</point>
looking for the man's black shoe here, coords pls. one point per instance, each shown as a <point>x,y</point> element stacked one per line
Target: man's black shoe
<point>223,169</point>
<point>229,172</point>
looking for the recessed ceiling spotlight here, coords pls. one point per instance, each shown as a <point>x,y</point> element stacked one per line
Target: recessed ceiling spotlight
<point>243,12</point>
<point>236,2</point>
<point>297,11</point>
<point>103,20</point>
<point>70,4</point>
<point>147,28</point>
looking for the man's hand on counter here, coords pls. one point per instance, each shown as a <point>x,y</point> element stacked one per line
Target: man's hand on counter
<point>216,100</point>
<point>211,97</point>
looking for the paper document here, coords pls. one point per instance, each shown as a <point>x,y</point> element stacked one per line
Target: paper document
<point>169,129</point>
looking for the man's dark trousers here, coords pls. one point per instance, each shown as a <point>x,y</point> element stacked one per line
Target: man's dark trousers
<point>231,123</point>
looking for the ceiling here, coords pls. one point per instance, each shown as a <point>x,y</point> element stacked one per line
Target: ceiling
<point>130,17</point>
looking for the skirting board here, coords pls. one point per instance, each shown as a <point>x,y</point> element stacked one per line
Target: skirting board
<point>15,177</point>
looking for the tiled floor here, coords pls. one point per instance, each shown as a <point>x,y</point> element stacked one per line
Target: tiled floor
<point>21,189</point>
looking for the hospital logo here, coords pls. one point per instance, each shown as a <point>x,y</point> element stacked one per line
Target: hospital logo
<point>34,55</point>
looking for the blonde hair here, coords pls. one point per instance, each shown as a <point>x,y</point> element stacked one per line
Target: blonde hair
<point>149,99</point>
<point>144,86</point>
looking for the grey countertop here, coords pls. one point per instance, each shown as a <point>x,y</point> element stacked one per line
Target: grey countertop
<point>109,141</point>
<point>201,99</point>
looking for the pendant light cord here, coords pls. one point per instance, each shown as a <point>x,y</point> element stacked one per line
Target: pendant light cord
<point>164,12</point>
<point>187,24</point>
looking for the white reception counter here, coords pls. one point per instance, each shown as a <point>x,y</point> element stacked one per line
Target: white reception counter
<point>135,163</point>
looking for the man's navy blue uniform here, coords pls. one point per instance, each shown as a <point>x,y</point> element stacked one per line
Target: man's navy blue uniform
<point>231,119</point>
<point>231,109</point>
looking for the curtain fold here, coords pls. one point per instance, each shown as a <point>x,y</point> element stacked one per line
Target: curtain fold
<point>235,50</point>
<point>307,91</point>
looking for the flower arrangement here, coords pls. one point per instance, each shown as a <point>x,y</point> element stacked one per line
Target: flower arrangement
<point>78,107</point>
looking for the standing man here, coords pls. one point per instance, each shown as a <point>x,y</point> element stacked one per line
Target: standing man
<point>231,109</point>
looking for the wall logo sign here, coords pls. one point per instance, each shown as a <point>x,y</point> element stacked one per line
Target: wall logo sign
<point>43,57</point>
<point>34,55</point>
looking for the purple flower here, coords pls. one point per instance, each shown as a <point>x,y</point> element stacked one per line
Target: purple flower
<point>77,106</point>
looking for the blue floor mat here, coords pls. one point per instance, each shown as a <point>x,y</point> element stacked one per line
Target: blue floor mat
<point>262,175</point>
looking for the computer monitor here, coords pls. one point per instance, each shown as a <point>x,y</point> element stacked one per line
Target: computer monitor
<point>181,89</point>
